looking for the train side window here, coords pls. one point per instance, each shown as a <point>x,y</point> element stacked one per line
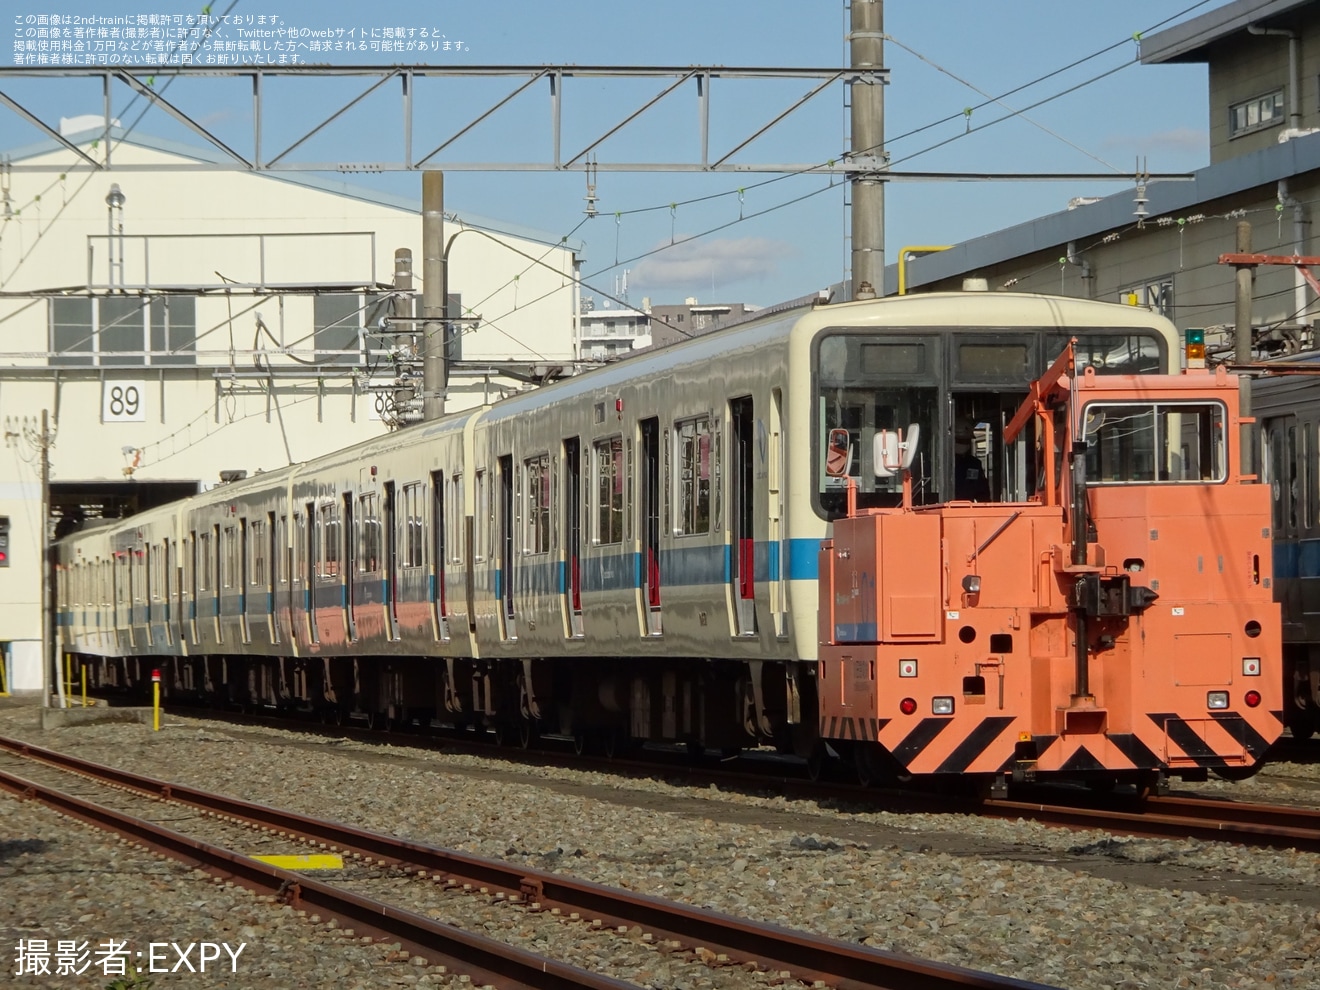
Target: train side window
<point>455,520</point>
<point>204,567</point>
<point>609,490</point>
<point>299,547</point>
<point>257,552</point>
<point>1303,478</point>
<point>369,534</point>
<point>480,518</point>
<point>1274,460</point>
<point>537,517</point>
<point>692,479</point>
<point>414,526</point>
<point>229,576</point>
<point>328,536</point>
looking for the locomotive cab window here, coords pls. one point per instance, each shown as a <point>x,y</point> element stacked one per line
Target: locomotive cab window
<point>866,384</point>
<point>1154,443</point>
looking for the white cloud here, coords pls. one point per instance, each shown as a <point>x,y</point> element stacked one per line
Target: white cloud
<point>693,265</point>
<point>1178,140</point>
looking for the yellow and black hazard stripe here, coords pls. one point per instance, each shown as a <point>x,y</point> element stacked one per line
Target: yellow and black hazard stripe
<point>1197,749</point>
<point>847,727</point>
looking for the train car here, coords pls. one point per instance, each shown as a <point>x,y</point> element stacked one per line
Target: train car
<point>1287,410</point>
<point>1119,625</point>
<point>626,555</point>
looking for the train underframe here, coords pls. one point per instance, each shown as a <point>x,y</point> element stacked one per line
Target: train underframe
<point>603,703</point>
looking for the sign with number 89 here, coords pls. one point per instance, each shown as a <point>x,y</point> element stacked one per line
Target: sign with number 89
<point>122,402</point>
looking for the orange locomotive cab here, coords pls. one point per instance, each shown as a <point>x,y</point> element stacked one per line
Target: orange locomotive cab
<point>1117,625</point>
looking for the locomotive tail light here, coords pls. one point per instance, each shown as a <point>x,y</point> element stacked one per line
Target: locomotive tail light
<point>1216,700</point>
<point>907,668</point>
<point>941,706</point>
<point>908,706</point>
<point>1195,348</point>
<point>1252,698</point>
<point>1251,666</point>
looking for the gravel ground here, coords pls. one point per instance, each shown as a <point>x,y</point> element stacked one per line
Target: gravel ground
<point>1011,897</point>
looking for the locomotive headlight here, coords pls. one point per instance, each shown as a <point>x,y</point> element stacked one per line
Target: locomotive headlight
<point>941,706</point>
<point>1216,700</point>
<point>1251,666</point>
<point>972,584</point>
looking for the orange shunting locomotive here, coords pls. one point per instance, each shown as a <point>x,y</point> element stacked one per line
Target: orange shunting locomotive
<point>1117,626</point>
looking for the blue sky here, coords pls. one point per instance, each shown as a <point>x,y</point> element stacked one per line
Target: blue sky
<point>1157,112</point>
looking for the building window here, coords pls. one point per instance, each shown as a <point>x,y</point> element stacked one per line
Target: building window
<point>123,330</point>
<point>1255,114</point>
<point>609,490</point>
<point>1155,294</point>
<point>695,469</point>
<point>337,327</point>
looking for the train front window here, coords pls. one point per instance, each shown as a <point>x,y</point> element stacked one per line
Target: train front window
<point>1110,353</point>
<point>865,385</point>
<point>1158,443</point>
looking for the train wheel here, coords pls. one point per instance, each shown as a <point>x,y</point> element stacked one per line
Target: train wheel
<point>816,761</point>
<point>1235,773</point>
<point>616,742</point>
<point>526,733</point>
<point>580,742</point>
<point>1301,725</point>
<point>378,721</point>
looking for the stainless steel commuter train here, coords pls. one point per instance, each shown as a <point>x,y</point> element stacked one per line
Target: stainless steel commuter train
<point>626,555</point>
<point>1287,411</point>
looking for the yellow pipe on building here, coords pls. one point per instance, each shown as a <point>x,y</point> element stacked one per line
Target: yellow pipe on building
<point>914,249</point>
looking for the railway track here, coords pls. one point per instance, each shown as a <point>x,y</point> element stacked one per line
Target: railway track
<point>716,940</point>
<point>1173,817</point>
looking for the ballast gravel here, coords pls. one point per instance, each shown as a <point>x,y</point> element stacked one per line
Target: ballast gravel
<point>918,884</point>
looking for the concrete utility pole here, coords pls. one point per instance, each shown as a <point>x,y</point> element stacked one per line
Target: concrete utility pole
<point>867,95</point>
<point>1242,340</point>
<point>435,289</point>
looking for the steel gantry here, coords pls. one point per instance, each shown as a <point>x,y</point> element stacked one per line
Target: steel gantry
<point>150,83</point>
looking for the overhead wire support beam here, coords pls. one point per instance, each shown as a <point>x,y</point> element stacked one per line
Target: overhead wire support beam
<point>418,98</point>
<point>153,97</point>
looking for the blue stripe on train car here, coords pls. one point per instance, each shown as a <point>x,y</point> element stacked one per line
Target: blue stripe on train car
<point>1297,559</point>
<point>856,632</point>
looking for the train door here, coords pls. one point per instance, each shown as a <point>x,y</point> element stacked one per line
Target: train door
<point>393,560</point>
<point>309,566</point>
<point>149,591</point>
<point>573,538</point>
<point>507,522</point>
<point>166,592</point>
<point>242,578</point>
<point>190,556</point>
<point>273,573</point>
<point>777,543</point>
<point>439,594</point>
<point>213,578</point>
<point>650,528</point>
<point>352,560</point>
<point>742,574</point>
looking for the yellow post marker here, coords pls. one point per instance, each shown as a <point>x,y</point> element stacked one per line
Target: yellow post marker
<point>84,684</point>
<point>68,675</point>
<point>155,702</point>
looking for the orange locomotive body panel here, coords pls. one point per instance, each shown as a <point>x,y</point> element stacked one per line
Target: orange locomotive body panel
<point>949,633</point>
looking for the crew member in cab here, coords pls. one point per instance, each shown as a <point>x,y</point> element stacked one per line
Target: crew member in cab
<point>970,483</point>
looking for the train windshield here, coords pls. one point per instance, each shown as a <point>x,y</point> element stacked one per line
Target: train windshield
<point>1154,443</point>
<point>961,386</point>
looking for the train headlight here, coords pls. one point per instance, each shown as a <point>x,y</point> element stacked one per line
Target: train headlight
<point>1251,666</point>
<point>941,706</point>
<point>1216,700</point>
<point>1252,698</point>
